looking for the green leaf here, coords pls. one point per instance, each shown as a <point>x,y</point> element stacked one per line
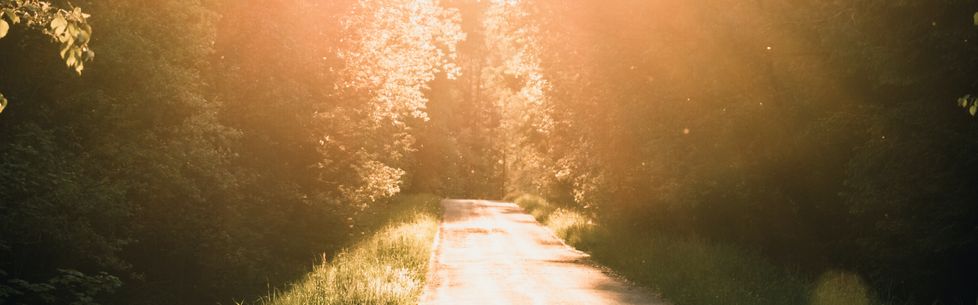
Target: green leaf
<point>67,47</point>
<point>82,37</point>
<point>13,16</point>
<point>976,18</point>
<point>71,60</point>
<point>974,109</point>
<point>58,24</point>
<point>4,27</point>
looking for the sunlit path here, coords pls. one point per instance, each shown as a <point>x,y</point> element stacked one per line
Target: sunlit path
<point>494,253</point>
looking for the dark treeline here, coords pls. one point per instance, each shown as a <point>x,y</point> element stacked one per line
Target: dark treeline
<point>211,150</point>
<point>823,134</point>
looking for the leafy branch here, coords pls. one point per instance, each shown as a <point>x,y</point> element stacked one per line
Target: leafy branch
<point>68,27</point>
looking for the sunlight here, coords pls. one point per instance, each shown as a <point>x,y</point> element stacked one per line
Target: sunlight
<point>506,2</point>
<point>840,288</point>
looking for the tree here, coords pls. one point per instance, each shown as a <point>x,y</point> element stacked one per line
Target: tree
<point>392,51</point>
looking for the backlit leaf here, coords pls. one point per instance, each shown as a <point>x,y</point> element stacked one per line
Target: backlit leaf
<point>58,25</point>
<point>4,27</point>
<point>12,16</point>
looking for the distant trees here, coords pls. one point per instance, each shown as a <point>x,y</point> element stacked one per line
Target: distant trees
<point>468,146</point>
<point>394,50</point>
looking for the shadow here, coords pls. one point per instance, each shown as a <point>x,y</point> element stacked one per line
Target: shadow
<point>511,210</point>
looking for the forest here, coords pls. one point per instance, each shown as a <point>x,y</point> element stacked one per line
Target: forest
<point>209,151</point>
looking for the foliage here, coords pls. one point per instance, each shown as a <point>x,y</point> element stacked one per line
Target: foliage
<point>69,28</point>
<point>798,131</point>
<point>807,133</point>
<point>379,181</point>
<point>970,103</point>
<point>184,156</point>
<point>68,287</point>
<point>689,270</point>
<point>393,59</point>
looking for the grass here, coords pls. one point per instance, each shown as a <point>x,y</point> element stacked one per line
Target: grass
<point>690,271</point>
<point>387,267</point>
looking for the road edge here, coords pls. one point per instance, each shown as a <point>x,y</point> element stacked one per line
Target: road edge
<point>433,256</point>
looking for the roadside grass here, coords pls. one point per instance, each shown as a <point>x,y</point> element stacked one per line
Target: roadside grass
<point>690,271</point>
<point>387,267</point>
<point>540,208</point>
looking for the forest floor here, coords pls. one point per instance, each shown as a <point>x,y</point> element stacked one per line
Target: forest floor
<point>494,253</point>
<point>692,271</point>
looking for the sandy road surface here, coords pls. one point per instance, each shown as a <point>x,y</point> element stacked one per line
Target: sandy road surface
<point>494,253</point>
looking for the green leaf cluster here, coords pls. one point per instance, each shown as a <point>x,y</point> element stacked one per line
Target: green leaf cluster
<point>69,28</point>
<point>970,103</point>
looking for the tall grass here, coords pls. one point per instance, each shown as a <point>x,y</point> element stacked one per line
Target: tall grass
<point>691,271</point>
<point>387,267</point>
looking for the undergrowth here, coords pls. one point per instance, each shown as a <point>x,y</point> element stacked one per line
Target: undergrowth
<point>387,267</point>
<point>691,271</point>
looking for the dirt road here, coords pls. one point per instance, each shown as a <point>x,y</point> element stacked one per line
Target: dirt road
<point>493,253</point>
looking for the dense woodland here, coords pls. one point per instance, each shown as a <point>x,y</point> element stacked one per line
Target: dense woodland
<point>214,148</point>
